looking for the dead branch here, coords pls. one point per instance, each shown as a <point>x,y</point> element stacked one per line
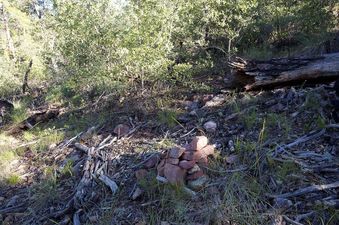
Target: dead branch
<point>313,188</point>
<point>305,138</point>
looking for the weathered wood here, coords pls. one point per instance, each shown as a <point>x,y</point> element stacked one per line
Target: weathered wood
<point>256,75</point>
<point>25,83</point>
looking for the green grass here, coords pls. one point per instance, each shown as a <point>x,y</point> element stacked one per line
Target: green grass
<point>13,179</point>
<point>44,138</point>
<point>6,157</point>
<point>46,192</point>
<point>168,118</point>
<point>19,112</point>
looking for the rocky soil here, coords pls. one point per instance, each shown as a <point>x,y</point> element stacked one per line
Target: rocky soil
<point>228,158</point>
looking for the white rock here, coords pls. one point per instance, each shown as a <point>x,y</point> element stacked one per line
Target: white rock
<point>210,126</point>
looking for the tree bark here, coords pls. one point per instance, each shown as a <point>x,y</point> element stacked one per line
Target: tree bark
<point>256,75</point>
<point>25,83</point>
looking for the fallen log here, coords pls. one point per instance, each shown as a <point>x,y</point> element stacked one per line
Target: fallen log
<point>35,118</point>
<point>274,73</point>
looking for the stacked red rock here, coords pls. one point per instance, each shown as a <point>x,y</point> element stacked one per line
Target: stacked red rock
<point>182,164</point>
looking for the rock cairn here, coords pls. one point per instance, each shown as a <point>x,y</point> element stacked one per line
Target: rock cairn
<point>182,164</point>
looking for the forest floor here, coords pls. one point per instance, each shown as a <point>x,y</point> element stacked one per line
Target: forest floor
<point>276,161</point>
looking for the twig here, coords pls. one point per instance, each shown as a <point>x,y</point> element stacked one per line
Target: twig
<point>303,216</point>
<point>142,162</point>
<point>305,138</point>
<point>291,221</point>
<point>108,144</point>
<point>309,189</point>
<point>13,209</point>
<point>191,131</point>
<point>110,183</point>
<point>76,217</point>
<point>81,147</point>
<point>233,115</point>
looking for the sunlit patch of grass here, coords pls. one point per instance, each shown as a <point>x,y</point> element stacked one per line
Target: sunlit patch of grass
<point>164,143</point>
<point>6,175</point>
<point>13,179</point>
<point>239,200</point>
<point>44,138</point>
<point>7,142</point>
<point>19,112</point>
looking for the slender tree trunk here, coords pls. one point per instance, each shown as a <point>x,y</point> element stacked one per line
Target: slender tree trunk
<point>25,83</point>
<point>229,48</point>
<point>10,44</point>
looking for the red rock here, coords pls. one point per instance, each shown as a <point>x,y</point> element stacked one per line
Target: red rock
<point>185,164</point>
<point>172,161</point>
<point>191,155</point>
<point>207,150</point>
<point>174,174</point>
<point>194,169</point>
<point>121,130</point>
<point>199,142</point>
<point>161,168</point>
<point>188,147</point>
<point>203,162</point>
<point>176,152</point>
<point>152,161</point>
<point>195,175</point>
<point>141,174</point>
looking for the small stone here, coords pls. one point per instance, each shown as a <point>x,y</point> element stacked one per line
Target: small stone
<point>198,142</point>
<point>161,179</point>
<point>198,183</point>
<point>93,219</point>
<point>190,192</point>
<point>141,174</point>
<point>231,159</point>
<point>161,168</point>
<point>216,101</point>
<point>231,145</point>
<point>174,174</point>
<point>137,193</point>
<point>185,164</point>
<point>172,161</point>
<point>207,150</point>
<point>121,130</point>
<point>210,126</point>
<point>176,152</point>
<point>2,199</point>
<point>191,155</point>
<point>195,175</point>
<point>194,169</point>
<point>152,162</point>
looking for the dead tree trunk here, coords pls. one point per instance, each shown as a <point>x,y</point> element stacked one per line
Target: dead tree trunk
<point>25,83</point>
<point>256,75</point>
